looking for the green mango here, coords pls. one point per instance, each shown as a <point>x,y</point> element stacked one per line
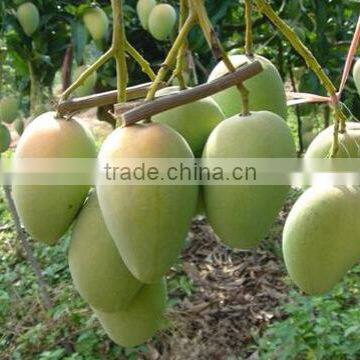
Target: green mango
<point>321,237</point>
<point>141,320</point>
<point>356,75</point>
<point>5,138</point>
<point>9,108</point>
<point>194,121</point>
<point>162,21</point>
<point>29,17</point>
<point>267,90</point>
<point>19,126</point>
<point>349,143</point>
<point>98,272</point>
<point>87,87</point>
<point>241,215</point>
<point>148,223</point>
<point>96,22</point>
<point>143,8</point>
<point>47,211</point>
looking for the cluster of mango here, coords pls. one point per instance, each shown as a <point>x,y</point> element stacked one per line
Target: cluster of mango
<point>127,237</point>
<point>158,19</point>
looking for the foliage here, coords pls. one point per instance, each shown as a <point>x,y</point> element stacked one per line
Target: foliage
<point>326,327</point>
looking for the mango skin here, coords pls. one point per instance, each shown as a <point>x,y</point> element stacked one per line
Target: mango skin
<point>143,9</point>
<point>348,143</point>
<point>140,320</point>
<point>194,121</point>
<point>356,75</point>
<point>5,138</point>
<point>97,22</point>
<point>267,90</point>
<point>87,87</point>
<point>162,21</point>
<point>321,237</point>
<point>29,17</point>
<point>98,272</point>
<point>47,137</point>
<point>9,108</point>
<point>19,126</point>
<point>148,223</point>
<point>242,215</point>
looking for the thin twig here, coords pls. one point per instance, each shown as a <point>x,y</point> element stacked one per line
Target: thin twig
<point>171,56</point>
<point>82,78</point>
<point>145,66</point>
<point>216,47</point>
<point>119,46</point>
<point>29,254</point>
<point>248,32</point>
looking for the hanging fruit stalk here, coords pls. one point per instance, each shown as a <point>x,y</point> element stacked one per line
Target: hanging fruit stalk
<point>120,46</point>
<point>248,31</point>
<point>217,48</point>
<point>181,56</point>
<point>171,56</point>
<point>119,50</point>
<point>312,63</point>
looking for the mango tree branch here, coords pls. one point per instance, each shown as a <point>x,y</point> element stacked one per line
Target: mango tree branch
<point>216,47</point>
<point>164,103</point>
<point>82,78</point>
<point>312,63</point>
<point>248,31</point>
<point>72,106</point>
<point>171,56</point>
<point>145,66</point>
<point>181,56</point>
<point>44,294</point>
<point>119,49</point>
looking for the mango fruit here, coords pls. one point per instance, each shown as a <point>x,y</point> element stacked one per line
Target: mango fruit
<point>148,223</point>
<point>47,211</point>
<point>140,321</point>
<point>9,108</point>
<point>356,75</point>
<point>143,9</point>
<point>96,22</point>
<point>29,17</point>
<point>241,215</point>
<point>162,21</point>
<point>5,138</point>
<point>87,88</point>
<point>321,237</point>
<point>98,272</point>
<point>267,90</point>
<point>19,126</point>
<point>348,143</point>
<point>194,121</point>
